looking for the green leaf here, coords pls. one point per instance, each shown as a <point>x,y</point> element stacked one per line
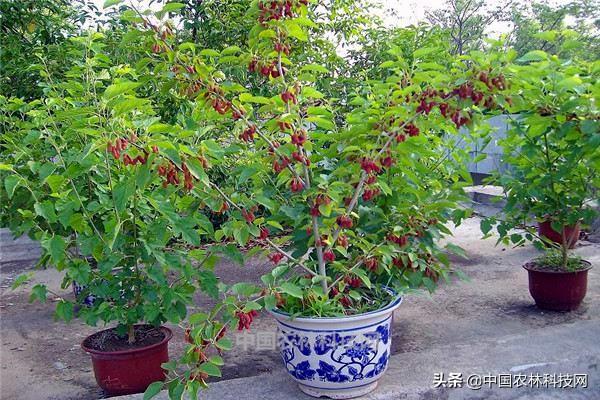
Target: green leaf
<point>252,305</point>
<point>363,277</point>
<point>38,292</point>
<point>210,53</point>
<point>305,21</point>
<point>210,369</point>
<point>457,250</point>
<point>534,55</point>
<point>385,188</point>
<point>291,289</point>
<point>423,51</point>
<point>312,93</point>
<point>10,184</point>
<point>486,226</point>
<point>125,105</point>
<point>270,302</point>
<point>244,289</point>
<point>20,280</point>
<point>549,36</point>
<point>224,344</point>
<point>248,98</point>
<point>176,389</point>
<point>55,182</point>
<point>209,283</point>
<point>64,310</point>
<point>119,88</point>
<point>569,83</point>
<point>217,360</point>
<point>233,253</point>
<point>275,224</point>
<point>170,7</point>
<point>57,247</point>
<point>230,50</point>
<point>110,3</point>
<point>122,192</point>
<point>152,390</point>
<point>214,149</point>
<point>590,126</point>
<point>115,228</point>
<point>170,151</point>
<point>387,64</point>
<point>197,318</point>
<point>322,122</point>
<point>314,68</point>
<point>325,209</point>
<point>169,365</point>
<point>143,176</point>
<point>197,170</point>
<point>295,31</point>
<point>46,211</point>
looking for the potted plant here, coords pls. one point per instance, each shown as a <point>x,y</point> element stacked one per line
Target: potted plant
<point>91,173</point>
<point>349,208</point>
<point>551,151</point>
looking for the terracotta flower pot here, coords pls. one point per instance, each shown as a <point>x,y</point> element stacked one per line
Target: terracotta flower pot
<point>129,371</point>
<point>571,233</point>
<point>557,290</point>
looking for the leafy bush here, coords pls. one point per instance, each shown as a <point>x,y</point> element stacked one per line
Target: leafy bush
<point>551,148</point>
<point>118,167</point>
<point>84,176</point>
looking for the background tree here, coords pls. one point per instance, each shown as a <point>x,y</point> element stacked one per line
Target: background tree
<point>529,20</point>
<point>215,24</point>
<point>466,21</point>
<point>31,28</point>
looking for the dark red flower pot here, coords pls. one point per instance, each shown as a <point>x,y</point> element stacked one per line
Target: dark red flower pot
<point>557,290</point>
<point>571,233</point>
<point>130,371</point>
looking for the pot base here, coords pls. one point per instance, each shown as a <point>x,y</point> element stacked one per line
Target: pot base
<point>339,393</point>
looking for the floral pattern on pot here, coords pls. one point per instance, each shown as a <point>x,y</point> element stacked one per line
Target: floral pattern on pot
<point>336,357</point>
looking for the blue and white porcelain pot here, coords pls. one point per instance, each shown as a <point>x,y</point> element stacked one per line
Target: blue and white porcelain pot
<point>340,357</point>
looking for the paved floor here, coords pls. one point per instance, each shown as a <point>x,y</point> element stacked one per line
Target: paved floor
<point>486,325</point>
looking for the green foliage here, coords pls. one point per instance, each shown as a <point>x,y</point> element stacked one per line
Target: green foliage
<point>110,225</point>
<point>156,149</point>
<point>552,147</point>
<point>541,26</point>
<point>33,34</point>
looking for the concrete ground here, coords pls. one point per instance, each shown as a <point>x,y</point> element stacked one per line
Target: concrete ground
<point>485,325</point>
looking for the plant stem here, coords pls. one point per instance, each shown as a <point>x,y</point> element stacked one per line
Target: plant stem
<point>269,241</point>
<point>131,334</point>
<point>363,178</point>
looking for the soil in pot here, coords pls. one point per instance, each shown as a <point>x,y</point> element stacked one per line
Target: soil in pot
<point>121,367</point>
<point>555,289</point>
<point>571,233</point>
<point>109,340</point>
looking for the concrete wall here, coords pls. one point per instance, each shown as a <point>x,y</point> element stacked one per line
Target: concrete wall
<point>493,162</point>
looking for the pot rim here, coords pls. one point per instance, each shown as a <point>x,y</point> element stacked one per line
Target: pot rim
<point>393,304</point>
<point>167,332</point>
<point>543,220</point>
<point>588,266</point>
